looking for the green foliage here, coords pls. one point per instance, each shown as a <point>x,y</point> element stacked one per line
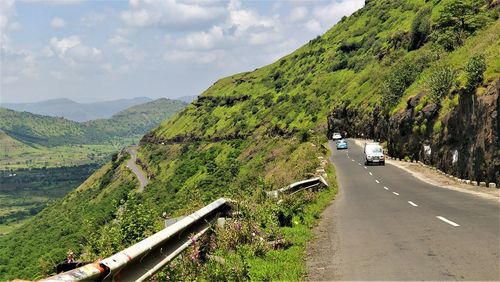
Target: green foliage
<point>65,224</point>
<point>475,68</point>
<point>458,20</point>
<point>440,81</point>
<point>134,221</point>
<point>420,29</point>
<point>398,80</point>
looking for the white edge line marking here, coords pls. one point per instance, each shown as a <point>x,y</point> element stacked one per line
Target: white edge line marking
<point>370,173</point>
<point>377,181</point>
<point>386,188</point>
<point>397,194</point>
<point>448,221</point>
<point>412,203</point>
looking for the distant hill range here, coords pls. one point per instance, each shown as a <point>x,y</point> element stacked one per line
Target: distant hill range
<point>37,135</point>
<point>75,111</point>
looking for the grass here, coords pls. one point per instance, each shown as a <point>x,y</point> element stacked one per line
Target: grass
<point>58,156</point>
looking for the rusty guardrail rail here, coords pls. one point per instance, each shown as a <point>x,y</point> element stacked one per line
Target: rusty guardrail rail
<point>299,186</point>
<point>140,261</point>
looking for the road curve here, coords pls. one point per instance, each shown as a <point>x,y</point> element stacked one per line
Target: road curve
<point>131,164</point>
<point>388,225</point>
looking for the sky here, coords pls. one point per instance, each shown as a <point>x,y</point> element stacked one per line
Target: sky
<point>103,50</point>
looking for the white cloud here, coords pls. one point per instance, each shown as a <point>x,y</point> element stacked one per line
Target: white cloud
<point>313,25</point>
<point>132,55</point>
<point>172,13</point>
<point>200,57</point>
<point>57,23</point>
<point>333,12</point>
<point>93,19</point>
<point>72,51</point>
<point>18,63</point>
<point>7,11</point>
<point>203,40</point>
<point>298,14</point>
<point>63,45</point>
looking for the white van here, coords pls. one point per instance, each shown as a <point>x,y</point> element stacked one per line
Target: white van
<point>374,153</point>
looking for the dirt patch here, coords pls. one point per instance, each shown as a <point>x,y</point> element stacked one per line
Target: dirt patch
<point>319,251</point>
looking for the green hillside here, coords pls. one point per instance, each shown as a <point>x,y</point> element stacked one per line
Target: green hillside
<point>261,130</point>
<point>30,140</point>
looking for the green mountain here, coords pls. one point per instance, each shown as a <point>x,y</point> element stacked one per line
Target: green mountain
<point>260,130</point>
<point>72,110</point>
<point>47,141</point>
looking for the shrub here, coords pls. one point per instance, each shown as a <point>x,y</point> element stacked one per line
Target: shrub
<point>420,29</point>
<point>398,80</point>
<point>440,82</point>
<point>475,68</point>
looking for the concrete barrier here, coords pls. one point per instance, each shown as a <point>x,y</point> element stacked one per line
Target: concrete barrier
<point>492,185</point>
<point>474,183</point>
<point>482,184</point>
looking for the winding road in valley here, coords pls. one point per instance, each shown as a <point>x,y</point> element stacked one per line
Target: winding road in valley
<point>131,164</point>
<point>388,225</point>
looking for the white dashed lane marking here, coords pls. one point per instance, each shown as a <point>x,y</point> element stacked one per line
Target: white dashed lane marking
<point>397,194</point>
<point>448,221</point>
<point>386,188</point>
<point>377,181</point>
<point>412,203</point>
<point>370,173</point>
<point>359,163</point>
<point>365,167</point>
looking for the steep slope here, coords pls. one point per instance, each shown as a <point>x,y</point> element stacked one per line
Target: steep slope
<point>72,110</point>
<point>260,130</point>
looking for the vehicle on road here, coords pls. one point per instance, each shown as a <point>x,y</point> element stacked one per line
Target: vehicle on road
<point>341,144</point>
<point>336,136</point>
<point>374,153</point>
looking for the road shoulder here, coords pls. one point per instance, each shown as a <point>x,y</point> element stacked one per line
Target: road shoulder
<point>432,177</point>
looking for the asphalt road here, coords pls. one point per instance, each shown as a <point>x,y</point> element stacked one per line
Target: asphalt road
<point>143,180</point>
<point>388,225</point>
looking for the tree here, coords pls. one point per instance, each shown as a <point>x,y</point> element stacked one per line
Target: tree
<point>458,20</point>
<point>475,68</point>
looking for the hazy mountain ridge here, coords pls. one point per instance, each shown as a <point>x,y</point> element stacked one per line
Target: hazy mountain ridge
<point>75,111</point>
<point>52,131</point>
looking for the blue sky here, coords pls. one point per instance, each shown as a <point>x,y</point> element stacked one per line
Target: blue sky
<point>102,50</point>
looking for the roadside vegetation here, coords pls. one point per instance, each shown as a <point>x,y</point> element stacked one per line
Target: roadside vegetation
<point>261,130</point>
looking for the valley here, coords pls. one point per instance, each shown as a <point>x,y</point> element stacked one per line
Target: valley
<point>43,158</point>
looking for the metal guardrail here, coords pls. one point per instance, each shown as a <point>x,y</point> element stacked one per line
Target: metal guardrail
<point>140,261</point>
<point>299,186</point>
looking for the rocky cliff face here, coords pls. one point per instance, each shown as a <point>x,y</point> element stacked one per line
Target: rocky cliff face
<point>464,142</point>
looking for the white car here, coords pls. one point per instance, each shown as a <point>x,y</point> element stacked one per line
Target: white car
<point>336,136</point>
<point>374,154</point>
